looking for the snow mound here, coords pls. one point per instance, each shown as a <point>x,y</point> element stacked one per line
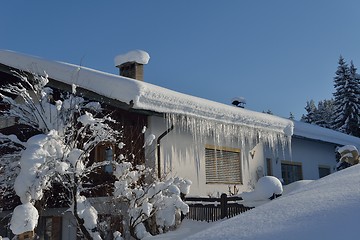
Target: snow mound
<point>24,218</point>
<point>327,208</point>
<point>293,187</point>
<point>138,56</point>
<point>265,188</point>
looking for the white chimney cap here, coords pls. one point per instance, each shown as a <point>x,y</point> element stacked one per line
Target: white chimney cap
<point>138,56</point>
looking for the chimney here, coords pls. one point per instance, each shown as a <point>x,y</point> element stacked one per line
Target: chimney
<point>131,64</point>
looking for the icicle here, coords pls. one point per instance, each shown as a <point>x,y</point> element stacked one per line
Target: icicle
<point>232,134</point>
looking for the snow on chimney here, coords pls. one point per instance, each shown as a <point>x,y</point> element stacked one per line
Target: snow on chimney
<point>131,64</point>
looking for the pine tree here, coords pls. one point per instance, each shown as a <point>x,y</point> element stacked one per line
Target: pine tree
<point>346,99</point>
<point>324,113</point>
<point>310,109</point>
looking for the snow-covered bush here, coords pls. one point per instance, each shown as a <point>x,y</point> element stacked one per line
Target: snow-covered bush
<point>24,218</point>
<point>265,188</point>
<point>348,155</point>
<point>155,204</point>
<point>10,153</point>
<point>67,129</point>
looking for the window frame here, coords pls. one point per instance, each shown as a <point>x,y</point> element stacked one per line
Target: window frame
<point>287,180</point>
<point>324,167</point>
<point>100,155</point>
<point>214,174</point>
<point>269,167</point>
<point>50,227</point>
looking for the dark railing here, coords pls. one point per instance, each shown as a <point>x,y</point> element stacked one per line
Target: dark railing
<point>213,209</point>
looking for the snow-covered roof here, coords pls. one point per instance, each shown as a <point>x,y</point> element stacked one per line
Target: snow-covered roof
<point>138,56</point>
<point>323,134</point>
<point>150,97</point>
<point>144,95</point>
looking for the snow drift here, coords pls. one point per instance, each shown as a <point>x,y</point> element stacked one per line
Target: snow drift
<point>327,208</point>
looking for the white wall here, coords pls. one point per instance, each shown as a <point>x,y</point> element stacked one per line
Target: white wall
<point>182,156</point>
<point>310,153</point>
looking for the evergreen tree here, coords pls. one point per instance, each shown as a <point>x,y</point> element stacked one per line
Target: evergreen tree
<point>310,115</point>
<point>346,102</point>
<point>324,113</point>
<point>321,114</point>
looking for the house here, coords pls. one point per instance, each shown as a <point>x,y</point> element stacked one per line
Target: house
<point>220,148</point>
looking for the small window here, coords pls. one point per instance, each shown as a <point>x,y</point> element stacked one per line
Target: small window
<point>50,227</point>
<point>222,165</point>
<point>105,152</point>
<point>291,171</point>
<point>324,171</point>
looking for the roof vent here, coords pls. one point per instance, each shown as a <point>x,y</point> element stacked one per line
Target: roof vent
<point>131,64</point>
<point>238,102</point>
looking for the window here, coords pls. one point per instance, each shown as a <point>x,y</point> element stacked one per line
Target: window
<point>269,167</point>
<point>50,228</point>
<point>291,171</point>
<point>324,171</point>
<point>105,152</point>
<point>222,165</point>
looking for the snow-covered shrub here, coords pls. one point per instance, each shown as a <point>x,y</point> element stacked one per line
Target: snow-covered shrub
<point>155,204</point>
<point>24,219</point>
<point>68,129</point>
<point>41,153</point>
<point>117,235</point>
<point>265,188</point>
<point>10,153</point>
<point>348,155</point>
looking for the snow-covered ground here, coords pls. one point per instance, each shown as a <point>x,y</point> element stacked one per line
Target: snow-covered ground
<point>187,228</point>
<point>328,208</point>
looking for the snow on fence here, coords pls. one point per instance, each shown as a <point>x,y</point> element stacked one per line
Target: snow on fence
<point>213,209</point>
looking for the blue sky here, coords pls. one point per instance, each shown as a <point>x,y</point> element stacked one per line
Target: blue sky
<point>276,54</point>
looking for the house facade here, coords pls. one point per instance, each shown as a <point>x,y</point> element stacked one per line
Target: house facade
<point>309,154</point>
<point>220,148</point>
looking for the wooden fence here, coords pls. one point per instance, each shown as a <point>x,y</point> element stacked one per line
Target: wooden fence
<point>213,209</point>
